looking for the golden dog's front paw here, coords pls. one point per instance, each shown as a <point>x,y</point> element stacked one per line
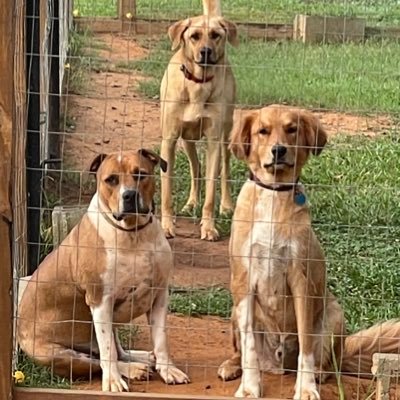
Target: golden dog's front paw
<point>229,370</point>
<point>172,375</point>
<point>248,390</point>
<point>308,392</point>
<point>208,231</point>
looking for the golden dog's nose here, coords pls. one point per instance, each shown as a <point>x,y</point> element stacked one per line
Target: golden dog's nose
<point>278,151</point>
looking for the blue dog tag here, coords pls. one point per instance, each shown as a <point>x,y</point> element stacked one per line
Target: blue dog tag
<point>300,198</point>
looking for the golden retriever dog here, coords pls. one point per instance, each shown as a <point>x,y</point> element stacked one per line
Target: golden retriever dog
<point>284,317</point>
<point>197,99</point>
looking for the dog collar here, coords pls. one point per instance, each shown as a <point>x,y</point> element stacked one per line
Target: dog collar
<point>135,228</point>
<point>298,195</point>
<point>188,75</point>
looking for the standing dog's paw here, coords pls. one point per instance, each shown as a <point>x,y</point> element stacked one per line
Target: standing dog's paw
<point>168,227</point>
<point>252,391</point>
<point>208,231</point>
<point>229,370</point>
<point>172,375</point>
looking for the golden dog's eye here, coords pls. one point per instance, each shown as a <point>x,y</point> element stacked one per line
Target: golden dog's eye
<point>112,180</point>
<point>195,37</point>
<point>291,129</point>
<point>263,131</point>
<point>215,35</point>
<point>139,176</point>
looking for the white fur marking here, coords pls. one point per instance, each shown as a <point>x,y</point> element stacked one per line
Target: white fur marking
<point>305,380</point>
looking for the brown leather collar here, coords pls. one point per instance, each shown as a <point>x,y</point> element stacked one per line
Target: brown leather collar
<point>135,228</point>
<point>279,187</point>
<point>188,75</point>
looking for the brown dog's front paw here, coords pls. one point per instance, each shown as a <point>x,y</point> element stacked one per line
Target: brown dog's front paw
<point>229,370</point>
<point>172,375</point>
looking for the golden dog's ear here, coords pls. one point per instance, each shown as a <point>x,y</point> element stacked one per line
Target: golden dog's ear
<point>316,136</point>
<point>176,31</point>
<point>95,165</point>
<point>241,135</point>
<point>231,31</point>
<point>154,158</point>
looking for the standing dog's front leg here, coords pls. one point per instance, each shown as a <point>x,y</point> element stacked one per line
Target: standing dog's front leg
<point>250,384</point>
<point>303,297</point>
<point>168,154</point>
<point>213,160</point>
<point>102,319</point>
<point>157,317</point>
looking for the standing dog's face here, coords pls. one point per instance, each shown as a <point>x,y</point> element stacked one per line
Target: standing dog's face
<point>276,142</point>
<point>203,38</point>
<point>125,182</point>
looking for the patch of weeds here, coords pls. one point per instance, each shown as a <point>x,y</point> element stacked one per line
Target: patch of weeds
<point>83,57</point>
<point>194,302</point>
<point>127,335</point>
<point>39,376</point>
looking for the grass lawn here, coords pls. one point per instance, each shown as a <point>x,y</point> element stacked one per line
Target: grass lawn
<point>348,77</point>
<point>353,189</point>
<point>381,12</point>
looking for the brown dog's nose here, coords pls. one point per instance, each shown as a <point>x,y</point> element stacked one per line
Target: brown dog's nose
<point>278,151</point>
<point>129,195</point>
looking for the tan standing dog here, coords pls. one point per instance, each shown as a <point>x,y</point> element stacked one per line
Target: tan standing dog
<point>197,98</point>
<point>111,268</point>
<point>283,315</point>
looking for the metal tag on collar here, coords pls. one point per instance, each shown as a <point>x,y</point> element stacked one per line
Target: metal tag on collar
<point>299,198</point>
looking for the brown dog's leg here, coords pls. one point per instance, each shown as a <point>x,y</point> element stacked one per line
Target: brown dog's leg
<point>301,288</point>
<point>226,206</point>
<point>208,230</point>
<point>190,150</point>
<point>167,220</point>
<point>231,368</point>
<point>74,364</point>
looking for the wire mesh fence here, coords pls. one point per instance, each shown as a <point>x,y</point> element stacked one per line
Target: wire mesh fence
<point>151,250</point>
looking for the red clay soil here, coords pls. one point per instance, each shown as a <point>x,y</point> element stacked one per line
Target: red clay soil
<point>199,345</point>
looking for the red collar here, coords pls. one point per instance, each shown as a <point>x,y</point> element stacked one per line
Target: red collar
<point>188,75</point>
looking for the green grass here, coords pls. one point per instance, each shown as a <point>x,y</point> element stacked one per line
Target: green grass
<point>39,376</point>
<point>353,190</point>
<point>272,11</point>
<point>195,302</point>
<point>348,77</point>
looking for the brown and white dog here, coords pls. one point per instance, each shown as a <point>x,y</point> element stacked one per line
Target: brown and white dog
<point>111,268</point>
<point>197,99</point>
<point>283,315</point>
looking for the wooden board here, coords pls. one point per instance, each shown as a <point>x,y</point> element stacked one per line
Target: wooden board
<point>51,394</point>
<point>6,138</point>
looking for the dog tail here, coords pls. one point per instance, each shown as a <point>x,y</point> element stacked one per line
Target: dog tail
<point>212,8</point>
<point>360,347</point>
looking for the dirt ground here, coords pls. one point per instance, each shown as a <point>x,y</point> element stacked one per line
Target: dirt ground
<point>113,116</point>
<point>199,345</point>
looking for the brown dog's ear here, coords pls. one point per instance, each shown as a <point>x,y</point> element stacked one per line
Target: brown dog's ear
<point>176,31</point>
<point>316,136</point>
<point>95,165</point>
<point>241,136</point>
<point>154,158</point>
<point>231,31</point>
